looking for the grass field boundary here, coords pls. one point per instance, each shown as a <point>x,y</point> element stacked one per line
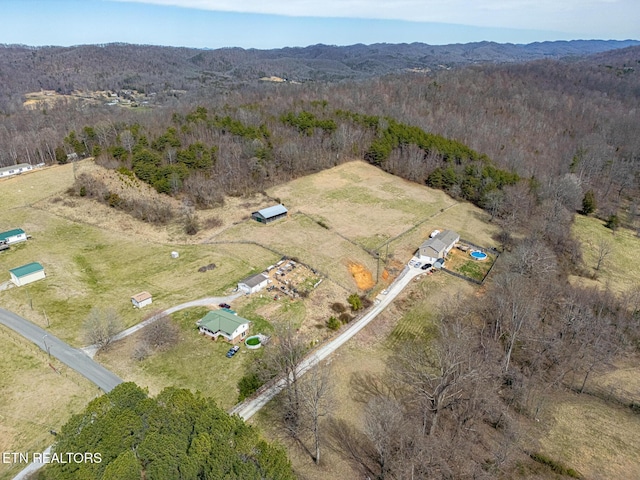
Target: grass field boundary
<point>415,227</point>
<point>332,230</point>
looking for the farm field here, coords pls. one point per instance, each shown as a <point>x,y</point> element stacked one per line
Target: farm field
<point>35,399</point>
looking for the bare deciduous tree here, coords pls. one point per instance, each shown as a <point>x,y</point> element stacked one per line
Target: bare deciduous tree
<point>316,399</point>
<point>603,251</point>
<point>101,326</point>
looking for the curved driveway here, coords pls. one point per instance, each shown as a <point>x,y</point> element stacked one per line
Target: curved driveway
<point>72,357</point>
<point>251,406</point>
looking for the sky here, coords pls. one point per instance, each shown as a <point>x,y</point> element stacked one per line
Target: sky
<point>265,24</point>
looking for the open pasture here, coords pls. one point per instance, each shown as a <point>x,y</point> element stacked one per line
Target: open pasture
<point>619,268</point>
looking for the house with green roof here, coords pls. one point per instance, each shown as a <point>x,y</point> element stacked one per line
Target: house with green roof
<point>27,273</point>
<point>221,323</point>
<point>13,236</point>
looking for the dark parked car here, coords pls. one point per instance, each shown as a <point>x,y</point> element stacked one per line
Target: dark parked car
<point>426,266</point>
<point>232,351</point>
<point>224,305</point>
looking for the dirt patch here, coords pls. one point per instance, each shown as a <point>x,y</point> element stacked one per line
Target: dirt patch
<point>362,275</point>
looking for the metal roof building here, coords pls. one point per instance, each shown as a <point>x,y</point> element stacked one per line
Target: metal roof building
<point>227,325</point>
<point>27,273</point>
<point>14,169</point>
<point>13,236</point>
<point>270,214</point>
<point>254,283</point>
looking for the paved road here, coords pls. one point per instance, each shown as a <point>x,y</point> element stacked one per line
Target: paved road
<point>92,349</point>
<point>73,358</point>
<point>249,407</point>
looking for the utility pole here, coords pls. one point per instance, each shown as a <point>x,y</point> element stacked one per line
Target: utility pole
<point>47,348</point>
<point>46,318</point>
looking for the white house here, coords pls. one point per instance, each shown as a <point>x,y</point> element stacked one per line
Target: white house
<point>254,283</point>
<point>141,299</point>
<point>13,236</point>
<point>15,169</point>
<point>220,323</point>
<point>438,246</point>
<point>27,273</point>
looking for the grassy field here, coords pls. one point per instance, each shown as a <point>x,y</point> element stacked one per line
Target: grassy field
<point>35,399</point>
<point>87,266</point>
<point>338,214</point>
<point>195,362</point>
<point>597,439</point>
<point>619,270</point>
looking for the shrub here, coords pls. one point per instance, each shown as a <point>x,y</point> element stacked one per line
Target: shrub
<point>345,317</point>
<point>355,301</point>
<point>248,385</point>
<point>333,323</point>
<point>338,307</point>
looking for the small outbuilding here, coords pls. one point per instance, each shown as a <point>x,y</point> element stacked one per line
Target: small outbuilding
<point>220,323</point>
<point>141,299</point>
<point>270,214</point>
<point>15,169</point>
<point>13,236</point>
<point>438,246</point>
<point>253,284</point>
<point>27,273</point>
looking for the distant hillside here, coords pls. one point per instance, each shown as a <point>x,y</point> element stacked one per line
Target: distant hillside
<point>151,68</point>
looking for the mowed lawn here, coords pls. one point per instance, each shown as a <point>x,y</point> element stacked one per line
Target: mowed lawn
<point>34,399</point>
<point>620,269</point>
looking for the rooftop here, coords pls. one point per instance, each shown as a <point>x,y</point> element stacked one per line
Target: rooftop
<point>221,321</point>
<point>13,167</point>
<point>27,269</point>
<point>273,211</point>
<point>254,280</point>
<point>10,233</point>
<point>141,297</point>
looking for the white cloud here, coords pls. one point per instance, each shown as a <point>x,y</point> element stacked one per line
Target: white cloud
<point>600,18</point>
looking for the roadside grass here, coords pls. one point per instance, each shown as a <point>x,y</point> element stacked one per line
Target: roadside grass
<point>35,399</point>
<point>619,270</point>
<point>596,438</point>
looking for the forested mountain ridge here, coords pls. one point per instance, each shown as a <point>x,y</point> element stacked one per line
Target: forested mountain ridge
<point>154,68</point>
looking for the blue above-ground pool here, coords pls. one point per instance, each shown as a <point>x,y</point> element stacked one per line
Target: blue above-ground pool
<point>478,255</point>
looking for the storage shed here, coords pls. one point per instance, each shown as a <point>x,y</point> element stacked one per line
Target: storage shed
<point>27,273</point>
<point>220,323</point>
<point>253,284</point>
<point>13,236</point>
<point>270,214</point>
<point>438,246</point>
<point>141,299</point>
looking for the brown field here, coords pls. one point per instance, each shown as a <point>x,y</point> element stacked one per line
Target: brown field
<point>593,437</point>
<point>35,399</point>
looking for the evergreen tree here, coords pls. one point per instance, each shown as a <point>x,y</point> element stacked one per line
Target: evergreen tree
<point>589,203</point>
